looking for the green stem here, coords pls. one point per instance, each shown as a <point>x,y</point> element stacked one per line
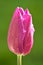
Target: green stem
<point>19,59</point>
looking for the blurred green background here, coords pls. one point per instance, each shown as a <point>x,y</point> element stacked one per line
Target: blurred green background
<point>7,8</point>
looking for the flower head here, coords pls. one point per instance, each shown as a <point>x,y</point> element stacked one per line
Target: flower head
<point>20,33</point>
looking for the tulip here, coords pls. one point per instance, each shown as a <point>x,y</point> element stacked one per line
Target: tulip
<point>20,33</point>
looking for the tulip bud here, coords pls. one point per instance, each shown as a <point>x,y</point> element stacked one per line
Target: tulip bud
<point>20,33</point>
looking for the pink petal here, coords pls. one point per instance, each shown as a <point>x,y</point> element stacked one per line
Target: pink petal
<point>28,42</point>
<point>27,20</point>
<point>16,34</point>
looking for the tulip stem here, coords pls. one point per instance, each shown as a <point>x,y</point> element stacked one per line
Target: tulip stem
<point>19,59</point>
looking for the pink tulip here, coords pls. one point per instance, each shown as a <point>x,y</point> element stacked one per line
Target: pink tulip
<point>20,33</point>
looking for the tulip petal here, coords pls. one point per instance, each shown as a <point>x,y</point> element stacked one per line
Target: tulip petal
<point>27,20</point>
<point>28,42</point>
<point>16,34</point>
